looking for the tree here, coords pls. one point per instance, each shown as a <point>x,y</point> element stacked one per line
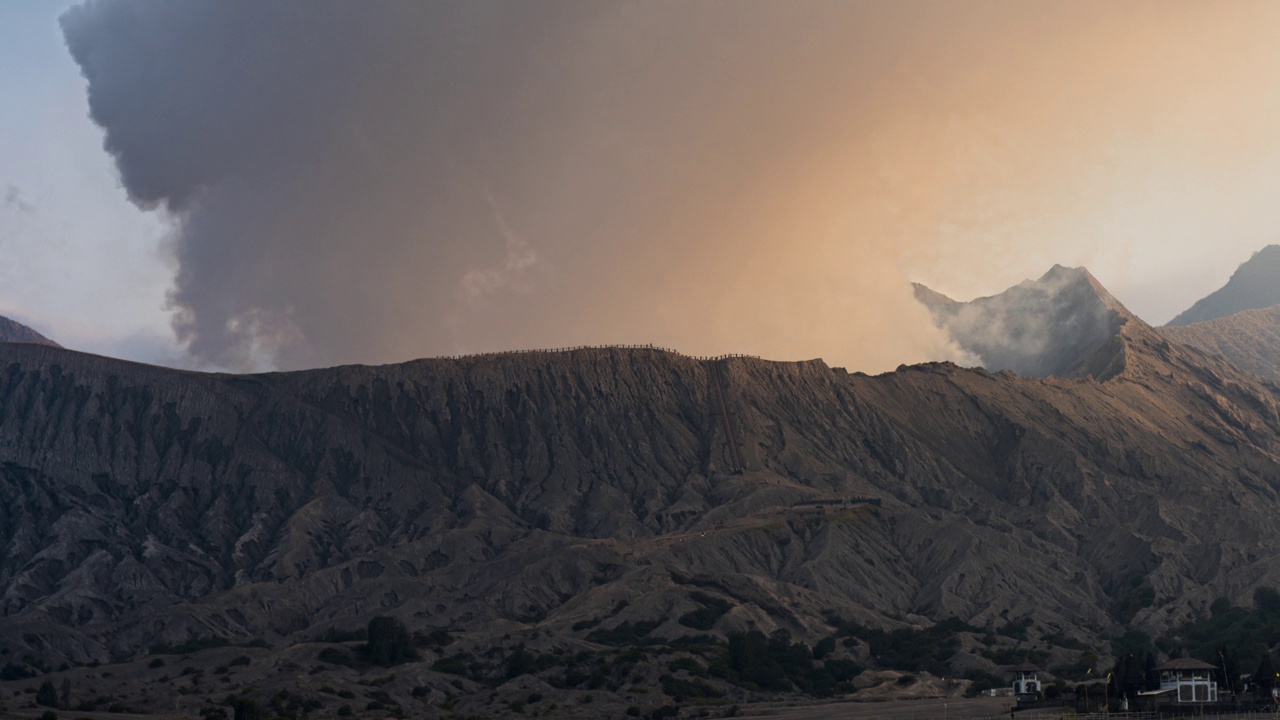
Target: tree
<point>1266,598</point>
<point>1129,677</point>
<point>246,709</point>
<point>752,663</point>
<point>1153,676</point>
<point>1230,667</point>
<point>1264,678</point>
<point>389,642</point>
<point>47,695</point>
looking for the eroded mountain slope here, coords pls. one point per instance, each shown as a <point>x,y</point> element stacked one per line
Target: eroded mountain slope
<point>1250,340</point>
<point>562,491</point>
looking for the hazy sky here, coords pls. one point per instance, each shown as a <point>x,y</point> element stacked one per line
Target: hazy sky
<point>305,183</point>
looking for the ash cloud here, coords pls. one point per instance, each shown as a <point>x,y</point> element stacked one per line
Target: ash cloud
<point>377,181</point>
<point>321,162</point>
<point>1038,328</point>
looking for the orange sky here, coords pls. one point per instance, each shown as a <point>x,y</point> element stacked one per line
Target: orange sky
<point>970,146</point>
<point>754,176</point>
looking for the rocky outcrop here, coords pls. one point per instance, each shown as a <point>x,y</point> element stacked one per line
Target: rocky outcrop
<point>1064,324</point>
<point>1250,340</point>
<point>13,332</point>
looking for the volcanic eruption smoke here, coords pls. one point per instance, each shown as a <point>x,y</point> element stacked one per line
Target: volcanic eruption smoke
<point>377,181</point>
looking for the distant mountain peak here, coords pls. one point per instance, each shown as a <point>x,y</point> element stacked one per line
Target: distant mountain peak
<point>1065,323</point>
<point>1249,339</point>
<point>1254,285</point>
<point>15,332</point>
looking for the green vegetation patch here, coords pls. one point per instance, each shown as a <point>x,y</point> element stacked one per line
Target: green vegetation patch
<point>1235,635</point>
<point>627,633</point>
<point>910,649</point>
<point>705,617</point>
<point>193,645</point>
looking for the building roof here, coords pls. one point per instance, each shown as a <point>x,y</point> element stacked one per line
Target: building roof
<point>1025,667</point>
<point>1185,664</point>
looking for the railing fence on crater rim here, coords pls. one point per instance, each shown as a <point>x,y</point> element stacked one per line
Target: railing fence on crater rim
<point>575,348</point>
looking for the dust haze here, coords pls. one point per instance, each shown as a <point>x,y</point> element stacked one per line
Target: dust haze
<point>373,182</point>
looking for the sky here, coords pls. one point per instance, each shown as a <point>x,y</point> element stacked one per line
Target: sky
<point>243,185</point>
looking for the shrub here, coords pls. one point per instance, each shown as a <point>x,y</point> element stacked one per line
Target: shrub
<point>1078,670</point>
<point>912,650</point>
<point>842,670</point>
<point>389,642</point>
<point>335,656</point>
<point>705,617</point>
<point>435,638</point>
<point>452,665</point>
<point>689,665</point>
<point>155,663</point>
<point>191,646</point>
<point>47,695</point>
<point>825,647</point>
<point>13,671</point>
<point>1016,629</point>
<point>334,635</point>
<point>981,682</point>
<point>521,662</point>
<point>245,708</point>
<point>684,690</point>
<point>627,633</point>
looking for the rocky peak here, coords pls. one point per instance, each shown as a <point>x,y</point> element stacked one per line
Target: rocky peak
<point>1254,285</point>
<point>1065,323</point>
<point>14,332</point>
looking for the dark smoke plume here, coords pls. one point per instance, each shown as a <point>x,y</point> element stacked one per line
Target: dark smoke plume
<point>379,180</point>
<point>332,167</point>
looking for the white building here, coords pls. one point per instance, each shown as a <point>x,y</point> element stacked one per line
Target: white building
<point>1188,680</point>
<point>1026,680</point>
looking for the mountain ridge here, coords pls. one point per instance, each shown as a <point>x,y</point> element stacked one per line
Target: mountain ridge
<point>1254,285</point>
<point>1249,339</point>
<point>545,496</point>
<point>14,332</point>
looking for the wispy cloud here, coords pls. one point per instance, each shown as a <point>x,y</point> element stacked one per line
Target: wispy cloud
<point>14,200</point>
<point>509,273</point>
